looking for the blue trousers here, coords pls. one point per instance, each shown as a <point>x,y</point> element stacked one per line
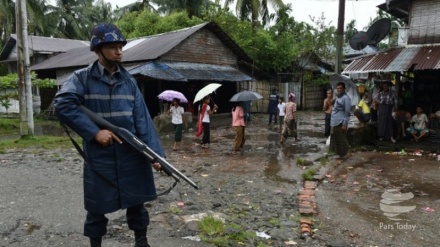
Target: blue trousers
<point>96,224</point>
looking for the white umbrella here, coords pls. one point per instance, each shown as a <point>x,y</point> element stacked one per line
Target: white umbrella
<point>350,87</point>
<point>205,91</point>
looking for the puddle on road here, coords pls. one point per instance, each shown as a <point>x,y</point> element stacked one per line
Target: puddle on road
<point>392,203</point>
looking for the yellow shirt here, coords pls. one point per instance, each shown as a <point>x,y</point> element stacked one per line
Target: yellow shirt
<point>364,106</point>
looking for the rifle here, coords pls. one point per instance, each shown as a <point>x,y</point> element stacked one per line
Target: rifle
<point>139,145</point>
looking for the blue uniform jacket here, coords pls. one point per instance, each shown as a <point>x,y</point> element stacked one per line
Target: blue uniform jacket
<point>123,105</point>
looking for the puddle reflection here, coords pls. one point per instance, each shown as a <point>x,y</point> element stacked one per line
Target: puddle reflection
<point>392,203</point>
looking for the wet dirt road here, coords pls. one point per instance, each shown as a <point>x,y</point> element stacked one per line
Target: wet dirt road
<point>41,196</point>
<point>377,199</point>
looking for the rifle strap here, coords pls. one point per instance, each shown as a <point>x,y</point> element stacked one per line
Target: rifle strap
<point>83,155</point>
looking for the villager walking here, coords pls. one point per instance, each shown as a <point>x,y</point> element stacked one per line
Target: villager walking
<point>204,121</point>
<point>339,121</point>
<point>238,123</point>
<point>272,108</point>
<point>281,112</point>
<point>178,120</point>
<point>290,120</point>
<point>116,176</point>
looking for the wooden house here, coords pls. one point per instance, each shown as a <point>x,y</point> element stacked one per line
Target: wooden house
<point>184,60</point>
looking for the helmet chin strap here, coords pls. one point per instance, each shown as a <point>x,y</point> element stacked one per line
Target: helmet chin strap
<point>108,61</point>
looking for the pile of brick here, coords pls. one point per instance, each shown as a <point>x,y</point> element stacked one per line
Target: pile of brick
<point>307,206</point>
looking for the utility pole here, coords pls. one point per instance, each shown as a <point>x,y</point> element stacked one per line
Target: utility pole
<point>340,36</point>
<point>23,71</point>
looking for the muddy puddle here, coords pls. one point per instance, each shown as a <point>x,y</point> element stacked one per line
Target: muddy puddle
<point>389,194</point>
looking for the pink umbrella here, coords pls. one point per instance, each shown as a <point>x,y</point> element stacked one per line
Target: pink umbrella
<point>169,95</point>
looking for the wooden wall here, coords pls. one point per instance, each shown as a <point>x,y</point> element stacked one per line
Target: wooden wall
<point>203,47</point>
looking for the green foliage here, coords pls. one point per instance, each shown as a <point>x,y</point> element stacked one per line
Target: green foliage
<point>274,49</point>
<point>174,209</point>
<point>300,161</point>
<point>6,103</point>
<point>42,83</point>
<point>308,175</point>
<point>146,23</point>
<point>9,81</point>
<point>9,125</point>
<point>210,226</point>
<point>323,161</point>
<point>274,221</point>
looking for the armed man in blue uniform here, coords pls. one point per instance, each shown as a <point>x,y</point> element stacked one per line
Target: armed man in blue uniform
<point>116,176</point>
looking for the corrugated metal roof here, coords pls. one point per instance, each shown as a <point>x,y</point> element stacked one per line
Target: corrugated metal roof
<point>183,71</point>
<point>157,70</point>
<point>381,61</point>
<point>358,64</point>
<point>141,49</point>
<point>427,58</point>
<point>199,71</point>
<point>77,57</point>
<point>403,60</point>
<point>398,59</point>
<point>38,44</point>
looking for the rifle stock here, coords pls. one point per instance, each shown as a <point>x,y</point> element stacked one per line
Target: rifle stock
<point>139,145</point>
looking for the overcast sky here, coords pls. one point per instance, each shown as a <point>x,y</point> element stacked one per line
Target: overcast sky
<point>360,10</point>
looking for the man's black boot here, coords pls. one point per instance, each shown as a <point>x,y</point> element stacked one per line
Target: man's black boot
<point>140,238</point>
<point>95,242</point>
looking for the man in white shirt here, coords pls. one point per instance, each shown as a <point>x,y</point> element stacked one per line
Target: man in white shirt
<point>281,111</point>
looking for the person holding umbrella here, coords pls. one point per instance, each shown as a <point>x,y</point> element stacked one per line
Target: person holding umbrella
<point>204,121</point>
<point>178,119</point>
<point>238,123</point>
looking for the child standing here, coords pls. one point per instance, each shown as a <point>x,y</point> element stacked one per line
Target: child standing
<point>281,112</point>
<point>178,120</point>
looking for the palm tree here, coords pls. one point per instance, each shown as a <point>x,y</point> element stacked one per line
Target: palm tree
<point>140,5</point>
<point>255,9</point>
<point>71,19</point>
<point>7,19</point>
<point>192,7</point>
<point>35,14</point>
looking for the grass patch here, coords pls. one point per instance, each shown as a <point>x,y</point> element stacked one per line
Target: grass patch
<point>45,142</point>
<point>274,221</point>
<point>323,161</point>
<point>300,161</point>
<point>210,226</point>
<point>214,231</point>
<point>174,209</point>
<point>308,175</point>
<point>9,126</point>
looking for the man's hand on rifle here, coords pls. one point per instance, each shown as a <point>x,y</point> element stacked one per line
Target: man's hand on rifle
<point>106,137</point>
<point>156,166</point>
